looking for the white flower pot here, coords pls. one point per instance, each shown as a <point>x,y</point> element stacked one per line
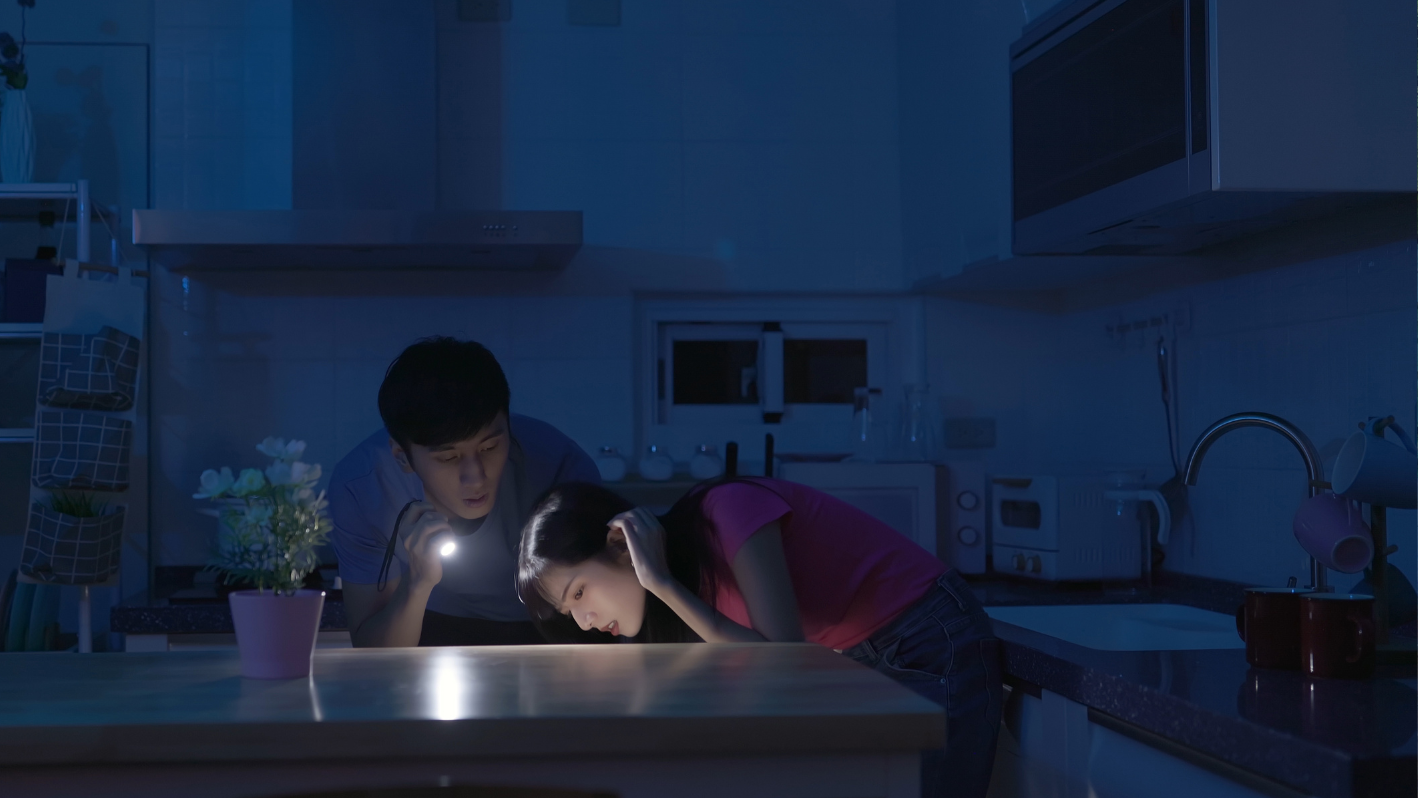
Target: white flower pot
<point>275,635</point>
<point>16,138</point>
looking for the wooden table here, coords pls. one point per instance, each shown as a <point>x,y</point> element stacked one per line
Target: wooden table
<point>684,720</point>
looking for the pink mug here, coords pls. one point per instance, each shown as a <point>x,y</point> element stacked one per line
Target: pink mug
<point>1332,529</point>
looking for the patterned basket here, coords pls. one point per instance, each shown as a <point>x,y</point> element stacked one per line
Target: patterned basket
<point>78,450</point>
<point>69,550</point>
<point>89,372</point>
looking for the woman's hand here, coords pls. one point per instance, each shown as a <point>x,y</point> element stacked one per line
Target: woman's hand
<point>645,539</point>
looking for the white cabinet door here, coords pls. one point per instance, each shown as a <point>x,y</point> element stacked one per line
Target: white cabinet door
<point>1050,749</point>
<point>901,495</point>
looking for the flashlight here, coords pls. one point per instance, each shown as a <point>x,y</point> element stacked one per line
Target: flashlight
<point>448,548</point>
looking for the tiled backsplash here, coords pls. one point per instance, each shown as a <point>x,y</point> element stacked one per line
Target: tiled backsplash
<point>1324,343</point>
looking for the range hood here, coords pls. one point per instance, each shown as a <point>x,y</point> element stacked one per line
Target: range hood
<point>358,239</point>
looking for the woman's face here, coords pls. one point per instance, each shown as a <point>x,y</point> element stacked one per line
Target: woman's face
<point>599,594</point>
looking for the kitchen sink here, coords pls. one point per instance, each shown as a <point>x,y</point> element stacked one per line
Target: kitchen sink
<point>1127,627</point>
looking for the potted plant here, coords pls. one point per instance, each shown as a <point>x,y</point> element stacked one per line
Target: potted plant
<point>272,522</point>
<point>16,121</point>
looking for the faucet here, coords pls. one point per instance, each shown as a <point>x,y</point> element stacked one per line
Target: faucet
<point>1314,466</point>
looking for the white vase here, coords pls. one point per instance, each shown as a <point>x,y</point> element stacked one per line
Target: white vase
<point>16,139</point>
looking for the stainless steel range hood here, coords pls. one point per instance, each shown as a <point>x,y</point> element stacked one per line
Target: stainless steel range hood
<point>358,239</point>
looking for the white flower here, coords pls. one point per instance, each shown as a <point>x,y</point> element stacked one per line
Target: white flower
<point>279,473</point>
<point>259,514</point>
<point>303,473</point>
<point>249,482</point>
<point>279,449</point>
<point>214,483</point>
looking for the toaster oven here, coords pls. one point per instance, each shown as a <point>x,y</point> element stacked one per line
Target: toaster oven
<point>1067,528</point>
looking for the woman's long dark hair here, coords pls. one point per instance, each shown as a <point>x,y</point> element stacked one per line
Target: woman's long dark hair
<point>569,525</point>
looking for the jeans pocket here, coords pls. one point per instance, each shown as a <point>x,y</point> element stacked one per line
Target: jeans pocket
<point>920,662</point>
<point>974,684</point>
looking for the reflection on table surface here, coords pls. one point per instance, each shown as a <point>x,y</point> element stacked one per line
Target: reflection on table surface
<point>689,680</point>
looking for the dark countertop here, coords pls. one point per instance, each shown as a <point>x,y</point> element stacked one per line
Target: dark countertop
<point>1326,737</point>
<point>185,604</point>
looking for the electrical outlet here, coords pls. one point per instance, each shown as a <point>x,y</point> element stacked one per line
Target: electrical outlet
<point>485,10</point>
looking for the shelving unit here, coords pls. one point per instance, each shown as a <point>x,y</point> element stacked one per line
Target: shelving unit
<point>69,202</point>
<point>25,201</point>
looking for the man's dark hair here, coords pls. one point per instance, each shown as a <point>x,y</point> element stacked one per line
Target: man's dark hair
<point>441,390</point>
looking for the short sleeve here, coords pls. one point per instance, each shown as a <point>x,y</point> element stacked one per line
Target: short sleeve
<point>737,510</point>
<point>577,466</point>
<point>359,543</point>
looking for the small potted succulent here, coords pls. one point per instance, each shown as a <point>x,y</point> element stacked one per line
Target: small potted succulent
<point>272,523</point>
<point>16,121</point>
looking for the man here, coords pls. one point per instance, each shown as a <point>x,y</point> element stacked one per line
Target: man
<point>472,471</point>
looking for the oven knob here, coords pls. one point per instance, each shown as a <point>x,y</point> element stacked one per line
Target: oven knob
<point>1018,561</point>
<point>968,500</point>
<point>1035,565</point>
<point>968,535</point>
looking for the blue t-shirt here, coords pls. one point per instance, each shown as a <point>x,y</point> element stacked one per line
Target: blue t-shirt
<point>368,489</point>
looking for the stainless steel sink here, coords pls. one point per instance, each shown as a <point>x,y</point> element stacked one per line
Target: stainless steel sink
<point>1127,627</point>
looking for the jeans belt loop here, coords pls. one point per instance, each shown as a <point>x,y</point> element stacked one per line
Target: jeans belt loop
<point>944,582</point>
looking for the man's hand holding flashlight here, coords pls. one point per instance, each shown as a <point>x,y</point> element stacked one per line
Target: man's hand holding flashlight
<point>428,538</point>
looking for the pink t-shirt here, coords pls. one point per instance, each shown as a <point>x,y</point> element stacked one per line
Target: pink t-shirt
<point>851,573</point>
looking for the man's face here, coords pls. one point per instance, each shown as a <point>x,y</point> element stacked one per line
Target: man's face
<point>460,479</point>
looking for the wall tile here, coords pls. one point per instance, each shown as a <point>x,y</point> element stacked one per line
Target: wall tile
<point>1288,341</point>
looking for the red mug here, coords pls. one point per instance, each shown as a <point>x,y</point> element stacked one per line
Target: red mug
<point>1269,622</point>
<point>1337,635</point>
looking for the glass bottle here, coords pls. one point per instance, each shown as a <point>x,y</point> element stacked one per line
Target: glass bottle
<point>918,436</point>
<point>866,438</point>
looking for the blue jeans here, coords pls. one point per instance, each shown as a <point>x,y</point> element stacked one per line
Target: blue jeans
<point>943,648</point>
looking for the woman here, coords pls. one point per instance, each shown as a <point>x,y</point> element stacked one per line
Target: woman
<point>752,560</point>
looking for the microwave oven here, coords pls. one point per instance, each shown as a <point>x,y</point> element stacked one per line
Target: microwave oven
<point>943,508</point>
<point>1158,127</point>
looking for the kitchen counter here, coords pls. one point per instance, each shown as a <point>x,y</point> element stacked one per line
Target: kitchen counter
<point>587,716</point>
<point>1325,737</point>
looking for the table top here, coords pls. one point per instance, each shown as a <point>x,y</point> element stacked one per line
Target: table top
<point>541,701</point>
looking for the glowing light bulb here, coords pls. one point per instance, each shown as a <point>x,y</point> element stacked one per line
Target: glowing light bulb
<point>448,548</point>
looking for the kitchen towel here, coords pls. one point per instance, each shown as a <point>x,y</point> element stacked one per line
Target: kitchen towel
<point>19,617</point>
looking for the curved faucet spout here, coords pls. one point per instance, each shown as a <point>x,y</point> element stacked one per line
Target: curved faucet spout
<point>1314,466</point>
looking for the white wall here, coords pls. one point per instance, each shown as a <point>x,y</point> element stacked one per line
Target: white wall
<point>1324,343</point>
<point>221,104</point>
<point>713,146</point>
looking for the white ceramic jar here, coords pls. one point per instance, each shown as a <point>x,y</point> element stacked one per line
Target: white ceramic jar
<point>611,465</point>
<point>656,465</point>
<point>706,463</point>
